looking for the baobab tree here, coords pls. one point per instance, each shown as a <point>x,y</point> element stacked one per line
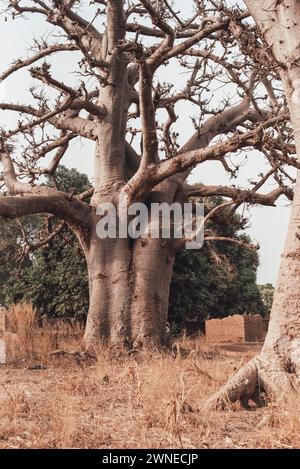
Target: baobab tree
<point>122,103</point>
<point>277,369</point>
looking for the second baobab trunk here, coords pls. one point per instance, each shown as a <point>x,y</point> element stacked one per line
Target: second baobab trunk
<point>276,371</point>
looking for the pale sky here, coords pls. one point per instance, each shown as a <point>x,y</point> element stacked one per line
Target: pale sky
<point>267,225</point>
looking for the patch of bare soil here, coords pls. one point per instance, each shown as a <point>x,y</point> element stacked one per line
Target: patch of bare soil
<point>150,400</point>
<point>247,349</point>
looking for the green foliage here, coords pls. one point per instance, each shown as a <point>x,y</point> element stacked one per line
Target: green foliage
<point>9,233</point>
<point>218,280</point>
<point>10,246</point>
<point>70,180</point>
<point>55,281</point>
<point>267,294</point>
<point>54,278</point>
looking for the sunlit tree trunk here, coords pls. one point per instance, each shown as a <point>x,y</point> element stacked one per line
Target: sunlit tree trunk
<point>277,369</point>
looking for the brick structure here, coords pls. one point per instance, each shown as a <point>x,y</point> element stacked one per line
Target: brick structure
<point>2,336</point>
<point>255,328</point>
<point>246,328</point>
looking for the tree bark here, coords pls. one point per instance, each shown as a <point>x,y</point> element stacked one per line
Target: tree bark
<point>129,283</point>
<point>276,370</point>
<point>129,292</point>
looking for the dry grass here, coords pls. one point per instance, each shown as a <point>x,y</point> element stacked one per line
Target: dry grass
<point>149,400</point>
<point>28,342</point>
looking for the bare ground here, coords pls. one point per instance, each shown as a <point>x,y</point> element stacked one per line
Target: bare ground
<point>150,400</point>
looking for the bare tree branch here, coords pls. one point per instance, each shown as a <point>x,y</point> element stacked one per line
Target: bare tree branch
<point>252,247</point>
<point>45,52</point>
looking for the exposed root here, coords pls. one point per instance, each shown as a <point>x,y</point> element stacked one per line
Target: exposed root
<point>241,386</point>
<point>265,375</point>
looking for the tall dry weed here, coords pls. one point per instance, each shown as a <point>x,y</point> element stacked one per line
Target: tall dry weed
<point>30,338</point>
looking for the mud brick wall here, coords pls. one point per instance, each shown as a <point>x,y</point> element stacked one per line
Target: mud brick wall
<point>255,329</point>
<point>2,335</point>
<point>247,328</point>
<point>230,329</point>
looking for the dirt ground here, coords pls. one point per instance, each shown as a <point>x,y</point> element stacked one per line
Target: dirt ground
<point>150,400</point>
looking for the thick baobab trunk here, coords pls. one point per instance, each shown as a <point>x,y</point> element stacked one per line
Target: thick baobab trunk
<point>129,279</point>
<point>152,266</point>
<point>129,291</point>
<point>151,279</point>
<point>108,264</point>
<point>277,369</point>
<point>129,284</point>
